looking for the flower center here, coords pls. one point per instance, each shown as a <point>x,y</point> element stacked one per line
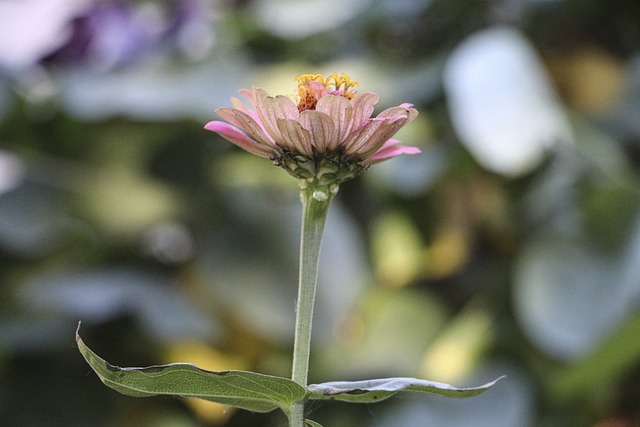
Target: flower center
<point>312,87</point>
<point>323,171</point>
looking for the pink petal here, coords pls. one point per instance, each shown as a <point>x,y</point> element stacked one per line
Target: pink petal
<point>359,138</point>
<point>389,128</point>
<point>400,110</point>
<point>363,105</point>
<point>392,150</point>
<point>249,96</point>
<point>395,118</point>
<point>243,121</point>
<point>234,135</point>
<point>318,90</point>
<point>270,109</point>
<point>322,130</point>
<point>295,138</point>
<point>239,105</point>
<point>340,110</point>
<point>390,143</point>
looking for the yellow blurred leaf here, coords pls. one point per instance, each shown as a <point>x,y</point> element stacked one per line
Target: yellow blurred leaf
<point>448,252</point>
<point>124,202</point>
<point>396,249</point>
<point>455,353</point>
<point>388,332</point>
<point>208,358</point>
<point>591,79</point>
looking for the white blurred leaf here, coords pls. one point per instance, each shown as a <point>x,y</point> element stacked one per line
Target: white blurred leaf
<point>302,18</point>
<point>12,171</point>
<point>153,90</point>
<point>501,103</point>
<point>100,295</point>
<point>568,296</point>
<point>31,29</point>
<point>33,221</point>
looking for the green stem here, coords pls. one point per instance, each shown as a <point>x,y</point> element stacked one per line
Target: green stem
<point>315,205</point>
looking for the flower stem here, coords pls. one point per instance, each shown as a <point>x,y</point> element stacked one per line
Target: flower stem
<point>315,205</point>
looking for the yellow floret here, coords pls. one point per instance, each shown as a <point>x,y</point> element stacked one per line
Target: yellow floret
<point>308,98</point>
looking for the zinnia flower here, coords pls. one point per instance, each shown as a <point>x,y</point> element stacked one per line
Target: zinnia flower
<point>327,137</point>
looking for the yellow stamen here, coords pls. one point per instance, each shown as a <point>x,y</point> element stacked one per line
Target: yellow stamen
<point>308,96</point>
<point>341,82</point>
<point>304,79</point>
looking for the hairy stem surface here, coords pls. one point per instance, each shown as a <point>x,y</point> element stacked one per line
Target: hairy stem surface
<point>315,205</point>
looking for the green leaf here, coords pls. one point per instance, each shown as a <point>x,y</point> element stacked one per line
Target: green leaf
<point>246,390</point>
<point>376,390</point>
<point>312,423</point>
<point>607,364</point>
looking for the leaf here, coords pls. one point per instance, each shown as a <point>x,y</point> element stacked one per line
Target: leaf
<point>606,364</point>
<point>376,390</point>
<point>246,390</point>
<point>312,423</point>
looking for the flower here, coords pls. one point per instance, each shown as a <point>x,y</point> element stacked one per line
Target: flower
<point>326,138</point>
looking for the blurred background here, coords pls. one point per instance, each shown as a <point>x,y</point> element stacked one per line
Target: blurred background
<point>510,246</point>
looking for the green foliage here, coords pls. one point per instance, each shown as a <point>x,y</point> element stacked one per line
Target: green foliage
<point>370,391</point>
<point>253,391</point>
<point>246,390</point>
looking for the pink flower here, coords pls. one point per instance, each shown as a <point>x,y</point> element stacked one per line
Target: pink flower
<point>328,137</point>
